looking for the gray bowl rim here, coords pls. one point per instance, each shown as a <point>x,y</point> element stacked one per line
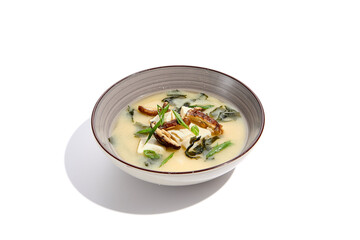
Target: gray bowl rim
<point>185,172</point>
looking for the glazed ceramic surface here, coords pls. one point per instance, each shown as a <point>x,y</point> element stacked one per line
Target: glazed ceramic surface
<point>166,78</point>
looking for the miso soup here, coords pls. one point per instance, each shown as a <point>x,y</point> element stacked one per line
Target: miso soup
<point>178,131</point>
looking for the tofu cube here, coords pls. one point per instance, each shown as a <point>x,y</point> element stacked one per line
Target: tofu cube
<point>203,132</point>
<point>181,134</point>
<point>167,117</point>
<point>152,144</point>
<point>183,111</point>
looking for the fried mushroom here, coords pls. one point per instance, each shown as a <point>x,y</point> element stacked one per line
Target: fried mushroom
<point>203,120</point>
<point>151,112</point>
<point>165,138</point>
<point>146,111</point>
<point>173,124</point>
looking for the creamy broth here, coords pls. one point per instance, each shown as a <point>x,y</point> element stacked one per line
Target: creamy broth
<point>126,144</point>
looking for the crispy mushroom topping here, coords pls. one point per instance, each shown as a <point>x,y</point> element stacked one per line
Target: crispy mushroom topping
<point>199,108</point>
<point>174,124</point>
<point>165,138</point>
<point>203,120</point>
<point>165,104</point>
<point>151,112</point>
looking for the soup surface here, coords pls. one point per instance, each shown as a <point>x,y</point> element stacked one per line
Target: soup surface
<point>178,131</point>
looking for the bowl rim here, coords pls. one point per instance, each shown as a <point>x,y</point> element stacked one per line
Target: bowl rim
<point>184,172</point>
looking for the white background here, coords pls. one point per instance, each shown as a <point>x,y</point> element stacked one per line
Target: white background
<point>301,58</point>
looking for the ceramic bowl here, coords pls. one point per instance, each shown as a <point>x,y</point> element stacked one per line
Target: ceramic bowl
<point>166,78</point>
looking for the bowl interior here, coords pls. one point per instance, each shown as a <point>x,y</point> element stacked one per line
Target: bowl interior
<point>190,78</point>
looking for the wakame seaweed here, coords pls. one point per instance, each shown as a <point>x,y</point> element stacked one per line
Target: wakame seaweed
<point>201,106</point>
<point>175,93</point>
<point>201,96</point>
<point>186,104</point>
<point>111,140</point>
<point>224,114</point>
<point>171,95</point>
<point>131,113</point>
<point>189,154</point>
<point>205,145</point>
<point>171,99</point>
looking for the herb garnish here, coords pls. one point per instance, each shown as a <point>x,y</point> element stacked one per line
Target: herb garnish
<point>218,148</point>
<point>195,130</point>
<point>161,119</point>
<point>144,131</point>
<point>179,120</point>
<point>166,159</point>
<point>141,129</point>
<point>158,109</point>
<point>151,154</point>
